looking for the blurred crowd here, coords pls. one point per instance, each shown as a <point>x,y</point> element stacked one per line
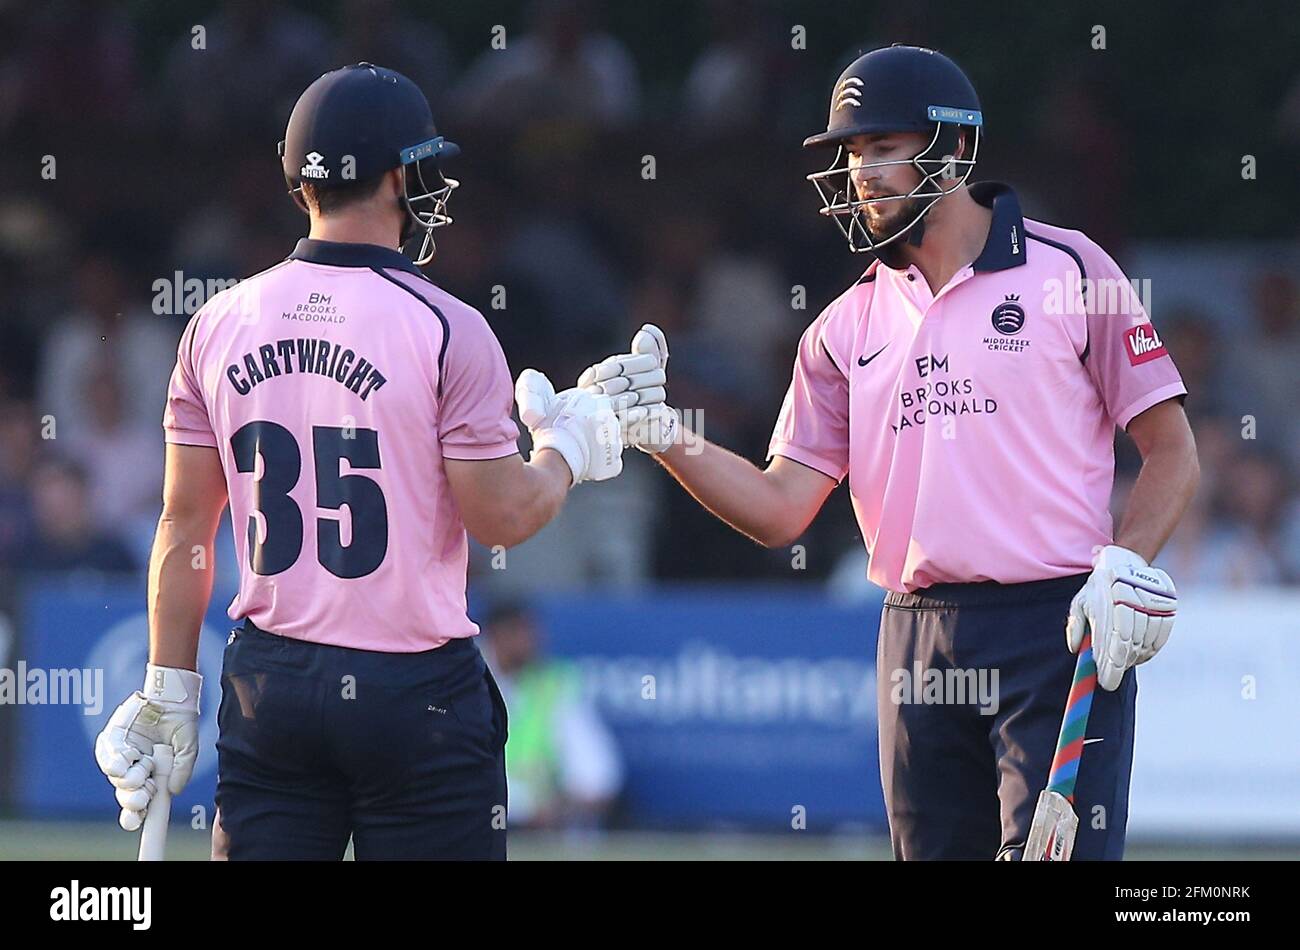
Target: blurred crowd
<point>610,177</point>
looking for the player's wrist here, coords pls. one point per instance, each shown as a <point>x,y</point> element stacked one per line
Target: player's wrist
<point>1115,555</point>
<point>169,684</point>
<point>568,446</point>
<point>553,466</point>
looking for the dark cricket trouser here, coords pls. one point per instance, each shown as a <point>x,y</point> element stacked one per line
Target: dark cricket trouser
<point>404,753</point>
<point>959,783</point>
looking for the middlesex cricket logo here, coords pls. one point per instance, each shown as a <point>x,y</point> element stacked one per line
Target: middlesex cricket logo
<point>1143,344</point>
<point>1008,316</point>
<point>847,93</point>
<point>313,168</point>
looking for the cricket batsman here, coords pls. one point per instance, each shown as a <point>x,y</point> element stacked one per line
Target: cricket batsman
<point>358,420</point>
<point>968,385</point>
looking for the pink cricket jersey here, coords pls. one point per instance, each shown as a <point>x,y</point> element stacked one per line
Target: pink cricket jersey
<point>334,385</point>
<point>976,424</point>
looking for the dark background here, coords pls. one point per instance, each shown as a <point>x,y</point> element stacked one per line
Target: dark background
<point>165,159</point>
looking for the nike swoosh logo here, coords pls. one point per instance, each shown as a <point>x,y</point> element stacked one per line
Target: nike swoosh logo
<point>862,362</point>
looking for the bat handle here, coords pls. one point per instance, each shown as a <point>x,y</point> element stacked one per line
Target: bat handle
<point>153,837</point>
<point>1069,744</point>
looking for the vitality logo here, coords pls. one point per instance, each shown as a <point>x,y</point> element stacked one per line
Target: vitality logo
<point>1143,344</point>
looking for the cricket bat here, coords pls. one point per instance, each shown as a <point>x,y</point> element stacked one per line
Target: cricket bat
<point>153,836</point>
<point>1051,835</point>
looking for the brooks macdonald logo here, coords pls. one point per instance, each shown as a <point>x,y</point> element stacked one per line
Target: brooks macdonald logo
<point>942,393</point>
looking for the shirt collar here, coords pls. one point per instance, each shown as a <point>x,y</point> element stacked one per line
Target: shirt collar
<point>1005,246</point>
<point>339,254</point>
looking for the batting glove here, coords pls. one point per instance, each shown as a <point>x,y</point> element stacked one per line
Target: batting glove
<point>164,712</point>
<point>1129,606</point>
<point>635,382</point>
<point>581,426</point>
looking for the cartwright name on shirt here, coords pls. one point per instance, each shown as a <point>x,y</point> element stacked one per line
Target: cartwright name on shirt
<point>310,356</point>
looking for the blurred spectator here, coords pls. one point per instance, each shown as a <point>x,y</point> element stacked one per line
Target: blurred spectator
<point>564,265</point>
<point>227,236</point>
<point>66,537</point>
<point>1184,555</point>
<point>1265,357</point>
<point>106,328</point>
<point>377,31</point>
<point>38,87</point>
<point>1198,350</point>
<point>1244,545</point>
<point>562,764</point>
<point>257,57</point>
<point>564,70</point>
<point>734,83</point>
<point>123,460</point>
<point>468,266</point>
<point>710,368</point>
<point>848,582</point>
<point>18,448</point>
<point>602,538</point>
<point>743,312</point>
<point>1078,138</point>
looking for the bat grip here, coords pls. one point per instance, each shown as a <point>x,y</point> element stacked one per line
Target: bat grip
<point>153,836</point>
<point>1069,744</point>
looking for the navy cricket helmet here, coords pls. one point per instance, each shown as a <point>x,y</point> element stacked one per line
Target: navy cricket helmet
<point>356,123</point>
<point>897,89</point>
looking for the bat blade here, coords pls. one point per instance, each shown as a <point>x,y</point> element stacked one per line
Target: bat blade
<point>1051,836</point>
<point>1055,824</point>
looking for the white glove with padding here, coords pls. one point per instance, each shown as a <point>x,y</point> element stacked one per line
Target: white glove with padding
<point>1129,606</point>
<point>164,712</point>
<point>635,383</point>
<point>581,426</point>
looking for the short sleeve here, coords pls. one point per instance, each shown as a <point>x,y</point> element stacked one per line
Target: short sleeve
<point>476,394</point>
<point>185,417</point>
<point>1124,354</point>
<point>813,427</point>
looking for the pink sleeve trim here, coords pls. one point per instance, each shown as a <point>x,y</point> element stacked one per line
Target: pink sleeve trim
<point>804,457</point>
<point>189,437</point>
<point>475,453</point>
<point>1145,402</point>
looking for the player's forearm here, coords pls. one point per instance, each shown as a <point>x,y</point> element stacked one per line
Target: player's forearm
<point>533,502</point>
<point>1164,488</point>
<point>732,488</point>
<point>180,586</point>
<point>549,478</point>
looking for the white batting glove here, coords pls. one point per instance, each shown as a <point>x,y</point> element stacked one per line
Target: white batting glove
<point>635,384</point>
<point>580,426</point>
<point>1129,606</point>
<point>164,712</point>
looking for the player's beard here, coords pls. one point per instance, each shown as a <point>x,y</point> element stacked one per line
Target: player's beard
<point>899,215</point>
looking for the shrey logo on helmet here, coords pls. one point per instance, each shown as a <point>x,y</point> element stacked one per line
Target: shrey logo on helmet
<point>898,89</point>
<point>366,120</point>
<point>313,167</point>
